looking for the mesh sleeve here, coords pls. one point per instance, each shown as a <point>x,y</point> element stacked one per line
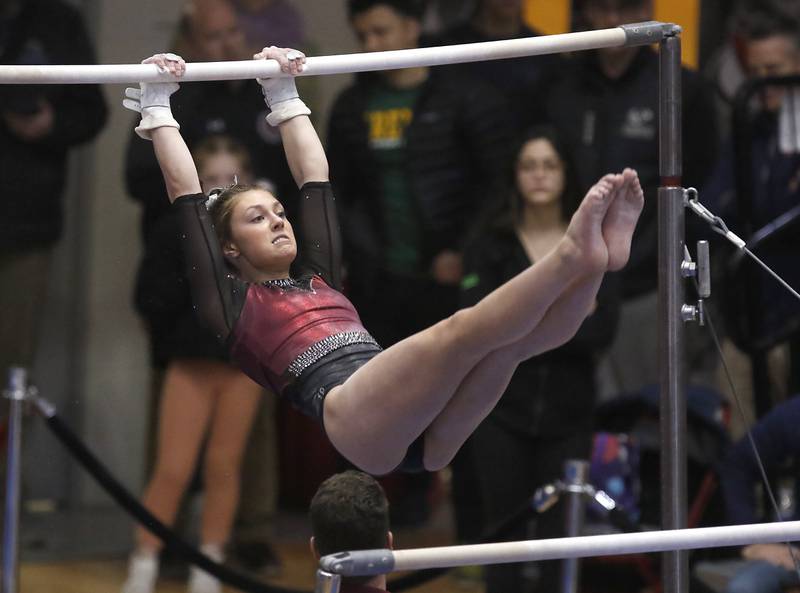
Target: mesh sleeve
<point>319,240</point>
<point>218,296</point>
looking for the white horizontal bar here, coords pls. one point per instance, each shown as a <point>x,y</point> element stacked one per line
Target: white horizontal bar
<point>597,545</point>
<point>382,561</point>
<point>338,64</point>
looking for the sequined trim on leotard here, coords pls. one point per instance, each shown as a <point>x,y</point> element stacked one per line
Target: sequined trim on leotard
<point>325,346</point>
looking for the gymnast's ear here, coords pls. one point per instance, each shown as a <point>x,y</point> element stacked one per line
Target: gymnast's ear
<point>230,251</point>
<point>389,540</point>
<point>313,547</point>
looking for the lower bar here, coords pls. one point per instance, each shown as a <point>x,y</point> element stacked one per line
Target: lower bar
<point>369,562</point>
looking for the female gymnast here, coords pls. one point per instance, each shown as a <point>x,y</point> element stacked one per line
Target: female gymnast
<point>412,405</point>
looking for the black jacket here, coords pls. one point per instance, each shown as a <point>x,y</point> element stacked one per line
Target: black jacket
<point>552,394</point>
<point>457,146</point>
<point>34,173</point>
<point>612,124</point>
<point>522,81</point>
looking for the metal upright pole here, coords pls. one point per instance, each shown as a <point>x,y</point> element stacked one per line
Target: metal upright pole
<point>670,300</point>
<point>327,582</point>
<point>16,392</point>
<point>576,475</point>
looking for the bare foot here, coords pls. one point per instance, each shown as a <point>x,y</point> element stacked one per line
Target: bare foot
<point>584,243</point>
<point>626,206</point>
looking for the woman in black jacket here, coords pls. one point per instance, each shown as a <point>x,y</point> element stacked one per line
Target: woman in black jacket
<point>545,414</point>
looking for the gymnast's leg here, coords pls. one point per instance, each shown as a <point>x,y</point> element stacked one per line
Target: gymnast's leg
<point>415,379</point>
<point>485,384</point>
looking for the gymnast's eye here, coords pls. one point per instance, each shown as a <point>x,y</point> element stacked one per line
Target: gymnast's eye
<point>258,218</point>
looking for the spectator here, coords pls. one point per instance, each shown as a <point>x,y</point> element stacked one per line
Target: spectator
<point>39,125</point>
<point>413,152</point>
<point>726,68</point>
<point>440,15</point>
<point>521,80</point>
<point>277,22</point>
<point>606,106</point>
<point>770,42</point>
<point>545,415</point>
<point>770,47</point>
<point>350,512</point>
<point>770,567</point>
<point>201,395</point>
<point>209,31</point>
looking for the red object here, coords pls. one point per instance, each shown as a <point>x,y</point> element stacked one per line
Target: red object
<point>277,324</point>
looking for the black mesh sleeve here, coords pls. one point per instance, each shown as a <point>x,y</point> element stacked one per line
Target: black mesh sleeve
<point>318,238</point>
<point>218,296</point>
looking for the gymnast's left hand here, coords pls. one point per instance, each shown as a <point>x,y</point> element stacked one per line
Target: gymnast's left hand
<point>168,62</point>
<point>290,60</point>
<point>280,92</point>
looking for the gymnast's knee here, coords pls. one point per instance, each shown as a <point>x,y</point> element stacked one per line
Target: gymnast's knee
<point>458,330</point>
<point>433,458</point>
<point>415,460</point>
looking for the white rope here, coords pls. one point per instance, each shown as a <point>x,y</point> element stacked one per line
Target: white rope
<point>381,561</point>
<point>338,64</point>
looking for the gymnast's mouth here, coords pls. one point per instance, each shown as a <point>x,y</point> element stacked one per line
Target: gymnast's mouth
<point>280,238</point>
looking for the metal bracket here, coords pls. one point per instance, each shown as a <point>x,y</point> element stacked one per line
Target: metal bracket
<point>548,495</point>
<point>649,32</point>
<point>17,388</point>
<point>702,272</point>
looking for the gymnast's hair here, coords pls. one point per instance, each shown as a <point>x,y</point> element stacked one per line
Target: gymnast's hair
<point>349,512</point>
<point>220,205</point>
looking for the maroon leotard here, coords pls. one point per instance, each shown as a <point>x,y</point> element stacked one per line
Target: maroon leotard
<point>279,324</point>
<point>276,329</point>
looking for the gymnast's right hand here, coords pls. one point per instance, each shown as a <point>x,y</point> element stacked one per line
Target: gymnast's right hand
<point>151,99</point>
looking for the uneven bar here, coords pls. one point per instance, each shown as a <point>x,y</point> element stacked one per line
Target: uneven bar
<point>337,64</point>
<point>369,562</point>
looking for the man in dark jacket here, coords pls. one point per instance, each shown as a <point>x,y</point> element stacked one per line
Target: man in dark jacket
<point>606,105</point>
<point>522,81</point>
<point>415,156</point>
<point>38,127</point>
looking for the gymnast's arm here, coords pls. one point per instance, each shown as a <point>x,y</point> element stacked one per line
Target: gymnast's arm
<point>319,239</point>
<point>218,297</point>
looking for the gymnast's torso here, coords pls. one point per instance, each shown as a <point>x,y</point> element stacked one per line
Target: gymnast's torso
<point>285,326</point>
<point>280,332</point>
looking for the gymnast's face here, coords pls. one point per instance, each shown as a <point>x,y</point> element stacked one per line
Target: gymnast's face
<point>262,245</point>
<point>540,174</point>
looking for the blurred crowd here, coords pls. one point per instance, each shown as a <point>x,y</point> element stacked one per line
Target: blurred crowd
<point>449,181</point>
